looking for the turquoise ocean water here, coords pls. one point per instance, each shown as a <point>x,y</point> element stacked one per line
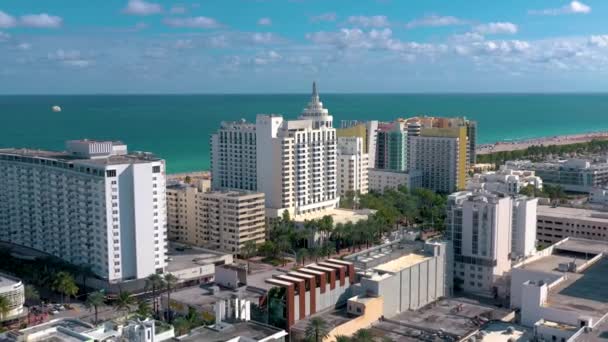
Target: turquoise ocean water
<point>177,127</point>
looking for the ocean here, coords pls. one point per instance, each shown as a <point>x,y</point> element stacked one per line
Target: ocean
<point>177,127</point>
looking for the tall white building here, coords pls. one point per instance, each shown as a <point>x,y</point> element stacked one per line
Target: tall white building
<point>352,166</point>
<point>95,204</point>
<point>296,161</point>
<point>523,226</point>
<point>479,226</point>
<point>233,157</point>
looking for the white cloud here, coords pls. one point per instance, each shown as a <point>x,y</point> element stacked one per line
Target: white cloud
<point>324,17</point>
<point>193,22</point>
<point>599,41</point>
<point>24,46</point>
<point>435,21</point>
<point>42,20</point>
<point>496,28</point>
<point>4,36</point>
<point>267,58</point>
<point>265,21</point>
<point>71,58</point>
<point>7,21</point>
<point>79,63</point>
<point>184,44</point>
<point>178,10</point>
<point>574,7</point>
<point>264,38</point>
<point>141,7</point>
<point>369,21</point>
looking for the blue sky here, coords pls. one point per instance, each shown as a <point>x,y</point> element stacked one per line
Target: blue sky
<point>278,46</point>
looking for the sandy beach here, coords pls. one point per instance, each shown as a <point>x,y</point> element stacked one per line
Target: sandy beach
<point>546,141</point>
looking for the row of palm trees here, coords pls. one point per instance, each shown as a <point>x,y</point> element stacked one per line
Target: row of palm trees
<point>317,330</point>
<point>125,301</point>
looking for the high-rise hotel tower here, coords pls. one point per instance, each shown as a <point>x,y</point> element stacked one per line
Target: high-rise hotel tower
<point>94,204</point>
<point>295,160</point>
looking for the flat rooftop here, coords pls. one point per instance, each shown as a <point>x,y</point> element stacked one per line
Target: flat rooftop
<point>203,297</point>
<point>7,280</point>
<point>338,215</point>
<point>332,318</point>
<point>584,246</point>
<point>401,263</point>
<point>497,331</point>
<point>585,293</point>
<point>573,213</point>
<point>252,330</point>
<point>65,157</point>
<point>444,320</point>
<point>184,256</point>
<point>372,258</point>
<point>70,324</point>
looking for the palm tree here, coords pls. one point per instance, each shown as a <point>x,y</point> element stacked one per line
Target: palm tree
<point>301,255</point>
<point>170,281</point>
<point>31,294</point>
<point>342,338</point>
<point>123,302</point>
<point>316,330</point>
<point>64,284</point>
<point>181,326</point>
<point>155,282</point>
<point>4,306</point>
<point>143,309</point>
<point>94,301</point>
<point>363,335</point>
<point>248,251</point>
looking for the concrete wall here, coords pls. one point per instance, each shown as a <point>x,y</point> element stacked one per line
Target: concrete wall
<point>373,311</point>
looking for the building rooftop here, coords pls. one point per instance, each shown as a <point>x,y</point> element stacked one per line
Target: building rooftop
<point>372,258</point>
<point>573,213</point>
<point>250,330</point>
<point>184,256</point>
<point>48,331</point>
<point>444,320</point>
<point>131,158</point>
<point>401,263</point>
<point>7,280</point>
<point>498,331</point>
<point>338,215</point>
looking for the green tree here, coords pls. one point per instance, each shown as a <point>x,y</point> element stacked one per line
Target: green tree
<point>155,282</point>
<point>123,302</point>
<point>64,284</point>
<point>187,179</point>
<point>94,301</point>
<point>31,294</point>
<point>4,307</point>
<point>181,326</point>
<point>342,338</point>
<point>268,249</point>
<point>170,281</point>
<point>248,251</point>
<point>301,255</point>
<point>363,335</point>
<point>143,309</point>
<point>316,330</point>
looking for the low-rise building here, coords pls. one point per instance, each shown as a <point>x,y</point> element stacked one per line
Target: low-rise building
<point>380,180</point>
<point>12,289</point>
<point>598,196</point>
<point>577,175</point>
<point>561,291</point>
<point>557,223</point>
<point>505,181</point>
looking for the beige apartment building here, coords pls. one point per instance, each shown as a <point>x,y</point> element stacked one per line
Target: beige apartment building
<point>556,224</point>
<point>220,220</point>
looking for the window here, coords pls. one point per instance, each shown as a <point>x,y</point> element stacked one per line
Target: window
<point>156,169</point>
<point>110,173</point>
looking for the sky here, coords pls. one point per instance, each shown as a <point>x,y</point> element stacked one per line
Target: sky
<point>280,46</point>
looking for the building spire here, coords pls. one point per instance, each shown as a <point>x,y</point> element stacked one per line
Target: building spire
<point>314,89</point>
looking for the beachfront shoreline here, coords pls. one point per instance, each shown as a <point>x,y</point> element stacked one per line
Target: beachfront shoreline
<point>502,146</point>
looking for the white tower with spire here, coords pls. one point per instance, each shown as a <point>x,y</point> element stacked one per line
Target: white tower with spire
<point>296,161</point>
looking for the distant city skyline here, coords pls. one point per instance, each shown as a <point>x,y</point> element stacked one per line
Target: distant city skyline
<point>280,46</point>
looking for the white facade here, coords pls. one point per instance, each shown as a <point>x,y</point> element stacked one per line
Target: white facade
<point>437,158</point>
<point>523,226</point>
<point>233,157</point>
<point>380,180</point>
<point>107,210</point>
<point>352,166</point>
<point>296,163</point>
<point>505,181</point>
<point>599,196</point>
<point>479,226</point>
<point>12,289</point>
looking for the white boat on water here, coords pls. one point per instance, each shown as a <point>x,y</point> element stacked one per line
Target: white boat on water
<point>56,109</point>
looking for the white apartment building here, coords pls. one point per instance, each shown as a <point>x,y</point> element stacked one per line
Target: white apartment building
<point>228,220</point>
<point>12,289</point>
<point>182,213</point>
<point>352,166</point>
<point>479,226</point>
<point>523,226</point>
<point>382,179</point>
<point>504,181</point>
<point>233,157</point>
<point>296,163</point>
<point>94,204</point>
